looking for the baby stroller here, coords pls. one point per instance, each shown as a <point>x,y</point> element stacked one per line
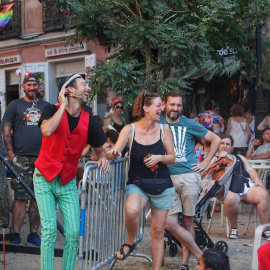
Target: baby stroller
<point>216,181</point>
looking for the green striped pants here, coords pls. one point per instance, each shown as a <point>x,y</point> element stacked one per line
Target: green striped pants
<point>47,195</point>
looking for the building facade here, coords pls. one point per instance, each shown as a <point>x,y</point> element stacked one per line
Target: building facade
<point>34,42</point>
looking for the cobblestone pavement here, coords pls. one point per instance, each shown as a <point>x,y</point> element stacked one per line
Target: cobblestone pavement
<point>240,251</point>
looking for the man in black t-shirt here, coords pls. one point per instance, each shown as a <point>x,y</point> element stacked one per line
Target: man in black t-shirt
<point>66,128</point>
<point>22,138</point>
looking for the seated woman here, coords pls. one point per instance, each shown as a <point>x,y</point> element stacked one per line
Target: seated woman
<point>254,192</point>
<point>204,146</point>
<point>151,149</point>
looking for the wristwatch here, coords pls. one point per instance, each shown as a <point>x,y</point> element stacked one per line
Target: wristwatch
<point>251,158</point>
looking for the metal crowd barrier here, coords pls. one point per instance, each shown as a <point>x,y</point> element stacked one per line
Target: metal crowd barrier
<point>102,226</point>
<point>23,248</point>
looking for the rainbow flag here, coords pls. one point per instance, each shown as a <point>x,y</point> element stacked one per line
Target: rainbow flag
<point>6,13</point>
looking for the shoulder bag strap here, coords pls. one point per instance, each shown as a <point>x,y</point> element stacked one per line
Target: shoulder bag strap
<point>162,134</point>
<point>240,124</point>
<point>132,138</point>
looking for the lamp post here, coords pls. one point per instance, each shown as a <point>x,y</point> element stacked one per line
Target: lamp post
<point>260,112</point>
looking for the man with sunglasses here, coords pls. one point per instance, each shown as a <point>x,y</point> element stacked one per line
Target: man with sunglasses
<point>22,138</point>
<point>66,129</point>
<point>185,171</point>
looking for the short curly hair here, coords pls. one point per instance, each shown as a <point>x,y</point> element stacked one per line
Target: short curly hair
<point>144,98</point>
<point>237,110</point>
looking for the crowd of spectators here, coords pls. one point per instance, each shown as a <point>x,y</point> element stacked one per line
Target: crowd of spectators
<point>187,149</point>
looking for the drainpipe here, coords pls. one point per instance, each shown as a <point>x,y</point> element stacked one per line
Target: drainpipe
<point>260,112</point>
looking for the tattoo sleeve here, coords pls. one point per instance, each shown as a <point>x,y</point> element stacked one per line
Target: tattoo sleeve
<point>7,130</point>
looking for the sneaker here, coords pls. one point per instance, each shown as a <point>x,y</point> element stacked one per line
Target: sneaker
<point>33,239</point>
<point>266,234</point>
<point>16,239</point>
<point>233,234</point>
<point>184,267</point>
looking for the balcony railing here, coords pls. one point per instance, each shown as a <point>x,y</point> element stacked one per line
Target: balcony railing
<point>14,27</point>
<point>52,19</point>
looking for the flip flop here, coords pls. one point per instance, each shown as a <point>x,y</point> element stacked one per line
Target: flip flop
<point>131,249</point>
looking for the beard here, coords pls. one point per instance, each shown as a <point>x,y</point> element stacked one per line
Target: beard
<point>32,97</point>
<point>173,115</point>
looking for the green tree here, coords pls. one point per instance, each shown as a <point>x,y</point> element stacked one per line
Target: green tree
<point>158,41</point>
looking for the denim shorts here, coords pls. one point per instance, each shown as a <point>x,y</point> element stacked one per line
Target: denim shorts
<point>162,201</point>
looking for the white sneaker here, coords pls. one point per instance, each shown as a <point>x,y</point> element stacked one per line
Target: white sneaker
<point>234,234</point>
<point>266,234</point>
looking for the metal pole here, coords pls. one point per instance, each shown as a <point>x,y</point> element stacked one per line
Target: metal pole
<point>260,112</point>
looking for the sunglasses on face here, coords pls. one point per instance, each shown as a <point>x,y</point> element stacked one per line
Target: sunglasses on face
<point>118,107</point>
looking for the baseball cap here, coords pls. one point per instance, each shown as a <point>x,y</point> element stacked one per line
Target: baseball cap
<point>64,83</point>
<point>30,77</point>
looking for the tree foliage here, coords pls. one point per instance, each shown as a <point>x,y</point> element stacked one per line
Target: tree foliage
<point>158,41</point>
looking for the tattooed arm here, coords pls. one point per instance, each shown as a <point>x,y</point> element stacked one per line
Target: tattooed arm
<point>7,134</point>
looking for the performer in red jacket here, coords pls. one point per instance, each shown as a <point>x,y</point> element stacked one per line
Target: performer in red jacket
<point>66,128</point>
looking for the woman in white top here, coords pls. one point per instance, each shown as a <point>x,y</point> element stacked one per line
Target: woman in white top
<point>251,122</point>
<point>236,127</point>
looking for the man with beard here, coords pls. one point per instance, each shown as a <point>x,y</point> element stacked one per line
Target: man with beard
<point>185,172</point>
<point>22,138</point>
<point>66,128</point>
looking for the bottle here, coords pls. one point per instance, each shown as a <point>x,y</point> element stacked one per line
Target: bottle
<point>198,155</point>
<point>153,168</point>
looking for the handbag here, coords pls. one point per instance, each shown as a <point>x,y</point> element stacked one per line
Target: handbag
<point>238,180</point>
<point>152,186</point>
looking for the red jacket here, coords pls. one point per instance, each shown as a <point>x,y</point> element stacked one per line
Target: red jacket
<point>60,152</point>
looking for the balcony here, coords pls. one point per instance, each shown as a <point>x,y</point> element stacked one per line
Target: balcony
<point>14,28</point>
<point>52,19</point>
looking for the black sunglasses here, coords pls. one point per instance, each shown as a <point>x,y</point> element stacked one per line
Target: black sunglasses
<point>118,107</point>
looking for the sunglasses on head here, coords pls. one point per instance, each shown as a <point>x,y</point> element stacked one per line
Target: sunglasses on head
<point>144,95</point>
<point>118,107</point>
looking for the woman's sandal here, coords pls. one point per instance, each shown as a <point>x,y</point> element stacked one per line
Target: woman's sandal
<point>131,249</point>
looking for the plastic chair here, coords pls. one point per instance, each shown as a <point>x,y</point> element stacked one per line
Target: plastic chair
<point>227,221</point>
<point>257,244</point>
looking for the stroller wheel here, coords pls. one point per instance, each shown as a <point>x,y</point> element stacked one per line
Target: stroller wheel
<point>173,250</point>
<point>222,245</point>
<point>200,240</point>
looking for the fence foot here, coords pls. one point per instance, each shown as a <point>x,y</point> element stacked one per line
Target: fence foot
<point>142,256</point>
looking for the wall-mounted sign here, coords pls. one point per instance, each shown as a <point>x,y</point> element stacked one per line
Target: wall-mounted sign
<point>228,51</point>
<point>65,50</point>
<point>9,60</point>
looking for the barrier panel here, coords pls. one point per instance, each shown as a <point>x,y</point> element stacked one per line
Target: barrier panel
<point>102,226</point>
